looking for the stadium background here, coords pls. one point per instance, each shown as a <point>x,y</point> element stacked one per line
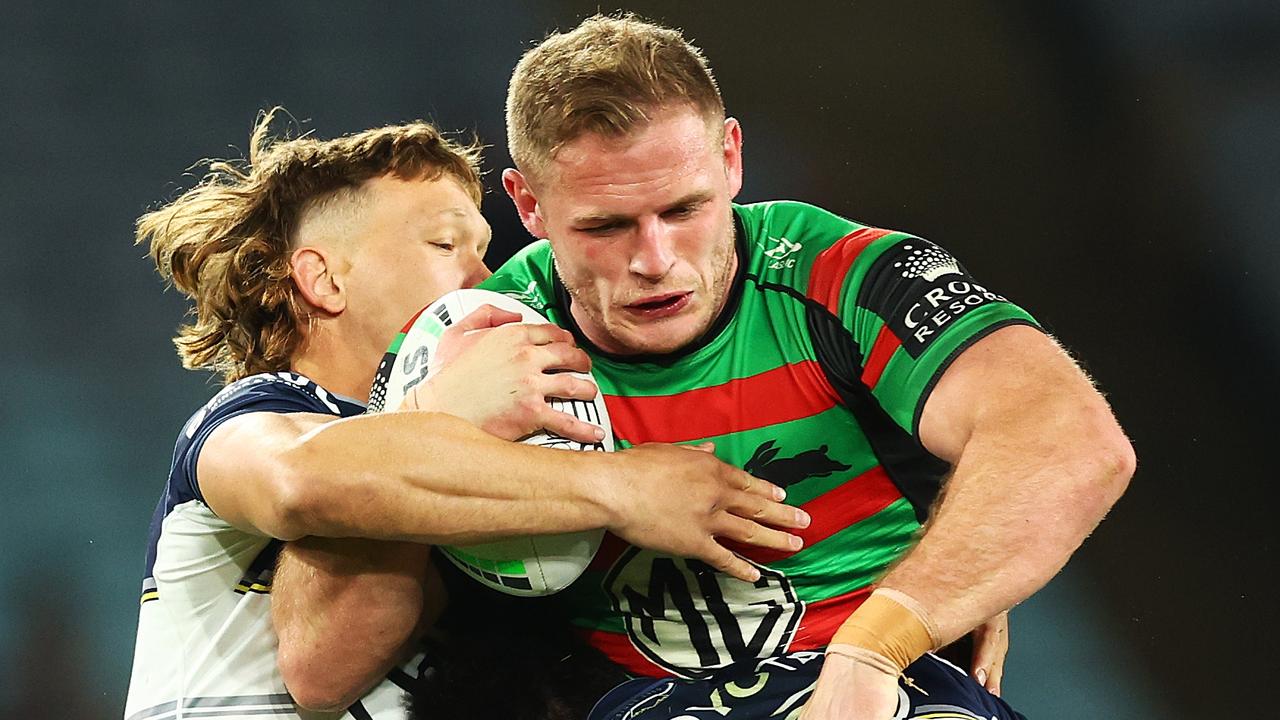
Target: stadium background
<point>1111,166</point>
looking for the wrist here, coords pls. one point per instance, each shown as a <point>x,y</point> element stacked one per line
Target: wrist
<point>889,630</point>
<point>595,479</point>
<point>851,656</point>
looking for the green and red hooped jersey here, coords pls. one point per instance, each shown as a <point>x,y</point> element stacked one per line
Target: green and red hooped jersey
<point>814,378</point>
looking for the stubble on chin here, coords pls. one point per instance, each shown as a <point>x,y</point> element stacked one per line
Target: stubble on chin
<point>625,339</point>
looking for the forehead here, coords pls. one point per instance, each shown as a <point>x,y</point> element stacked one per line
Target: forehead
<point>441,195</point>
<point>675,149</point>
<point>418,203</point>
<point>391,212</point>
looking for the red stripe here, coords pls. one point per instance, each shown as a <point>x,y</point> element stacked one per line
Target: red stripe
<point>885,345</point>
<point>413,319</point>
<point>775,396</point>
<point>829,268</point>
<point>821,620</point>
<point>824,617</point>
<point>838,508</point>
<point>620,650</point>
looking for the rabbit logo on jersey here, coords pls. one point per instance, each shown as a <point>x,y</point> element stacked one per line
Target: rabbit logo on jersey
<point>933,292</point>
<point>691,620</point>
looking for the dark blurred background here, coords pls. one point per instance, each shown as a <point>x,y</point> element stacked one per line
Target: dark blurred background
<point>1112,165</point>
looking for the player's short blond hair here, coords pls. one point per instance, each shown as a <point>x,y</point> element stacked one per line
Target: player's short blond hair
<point>610,75</point>
<point>226,243</point>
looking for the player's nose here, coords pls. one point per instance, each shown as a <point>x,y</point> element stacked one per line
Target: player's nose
<point>654,250</point>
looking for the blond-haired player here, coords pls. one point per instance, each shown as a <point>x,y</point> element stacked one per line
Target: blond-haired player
<point>951,455</point>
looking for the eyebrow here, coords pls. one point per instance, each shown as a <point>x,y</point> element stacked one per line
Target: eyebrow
<point>455,211</point>
<point>693,198</point>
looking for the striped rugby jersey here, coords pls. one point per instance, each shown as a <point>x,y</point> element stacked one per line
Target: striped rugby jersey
<point>205,646</point>
<point>813,377</point>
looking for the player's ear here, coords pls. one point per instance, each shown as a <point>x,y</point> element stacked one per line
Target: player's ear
<point>313,272</point>
<point>733,155</point>
<point>521,193</point>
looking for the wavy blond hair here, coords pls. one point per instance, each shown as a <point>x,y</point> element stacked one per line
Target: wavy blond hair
<point>226,243</point>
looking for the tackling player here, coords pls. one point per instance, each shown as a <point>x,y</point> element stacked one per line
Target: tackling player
<point>302,263</point>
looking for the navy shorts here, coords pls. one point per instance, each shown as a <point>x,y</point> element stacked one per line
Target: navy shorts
<point>776,688</point>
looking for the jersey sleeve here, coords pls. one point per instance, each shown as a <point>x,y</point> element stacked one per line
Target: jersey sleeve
<point>276,393</point>
<point>911,308</point>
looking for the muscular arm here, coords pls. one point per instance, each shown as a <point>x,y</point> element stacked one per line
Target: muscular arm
<point>433,478</point>
<point>415,476</point>
<point>346,610</point>
<point>1038,460</point>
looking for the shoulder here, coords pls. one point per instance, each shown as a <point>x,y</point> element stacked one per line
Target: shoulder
<point>810,249</point>
<point>269,392</point>
<point>279,392</point>
<point>528,276</point>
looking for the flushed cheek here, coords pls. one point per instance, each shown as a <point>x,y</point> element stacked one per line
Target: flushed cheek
<point>600,265</point>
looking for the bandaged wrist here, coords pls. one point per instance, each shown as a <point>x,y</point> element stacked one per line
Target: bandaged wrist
<point>866,657</point>
<point>889,624</point>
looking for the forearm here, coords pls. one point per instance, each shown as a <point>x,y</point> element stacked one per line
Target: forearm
<point>1029,486</point>
<point>346,611</point>
<point>432,478</point>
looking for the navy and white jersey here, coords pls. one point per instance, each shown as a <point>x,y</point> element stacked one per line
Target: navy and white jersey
<point>205,645</point>
<point>776,688</point>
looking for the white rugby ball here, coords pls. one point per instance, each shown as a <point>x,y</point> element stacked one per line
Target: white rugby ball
<point>528,566</point>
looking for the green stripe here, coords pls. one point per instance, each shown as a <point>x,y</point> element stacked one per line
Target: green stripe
<point>586,595</point>
<point>725,358</point>
<point>395,344</point>
<point>905,378</point>
<point>849,560</point>
<point>500,567</point>
<point>854,557</point>
<point>868,324</point>
<point>833,427</point>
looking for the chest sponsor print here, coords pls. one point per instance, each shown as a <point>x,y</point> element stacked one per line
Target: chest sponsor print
<point>690,620</point>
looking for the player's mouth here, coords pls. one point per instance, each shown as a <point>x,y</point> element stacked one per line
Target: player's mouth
<point>660,306</point>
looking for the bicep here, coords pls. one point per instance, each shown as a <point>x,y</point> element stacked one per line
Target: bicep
<point>999,382</point>
<point>240,471</point>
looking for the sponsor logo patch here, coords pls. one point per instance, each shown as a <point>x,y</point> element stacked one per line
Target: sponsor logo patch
<point>931,292</point>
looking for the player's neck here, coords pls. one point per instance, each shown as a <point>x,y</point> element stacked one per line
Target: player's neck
<point>336,366</point>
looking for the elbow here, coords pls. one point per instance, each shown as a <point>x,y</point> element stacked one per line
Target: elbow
<point>312,686</point>
<point>304,686</point>
<point>1124,464</point>
<point>297,502</point>
<point>1116,463</point>
<point>1109,464</point>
